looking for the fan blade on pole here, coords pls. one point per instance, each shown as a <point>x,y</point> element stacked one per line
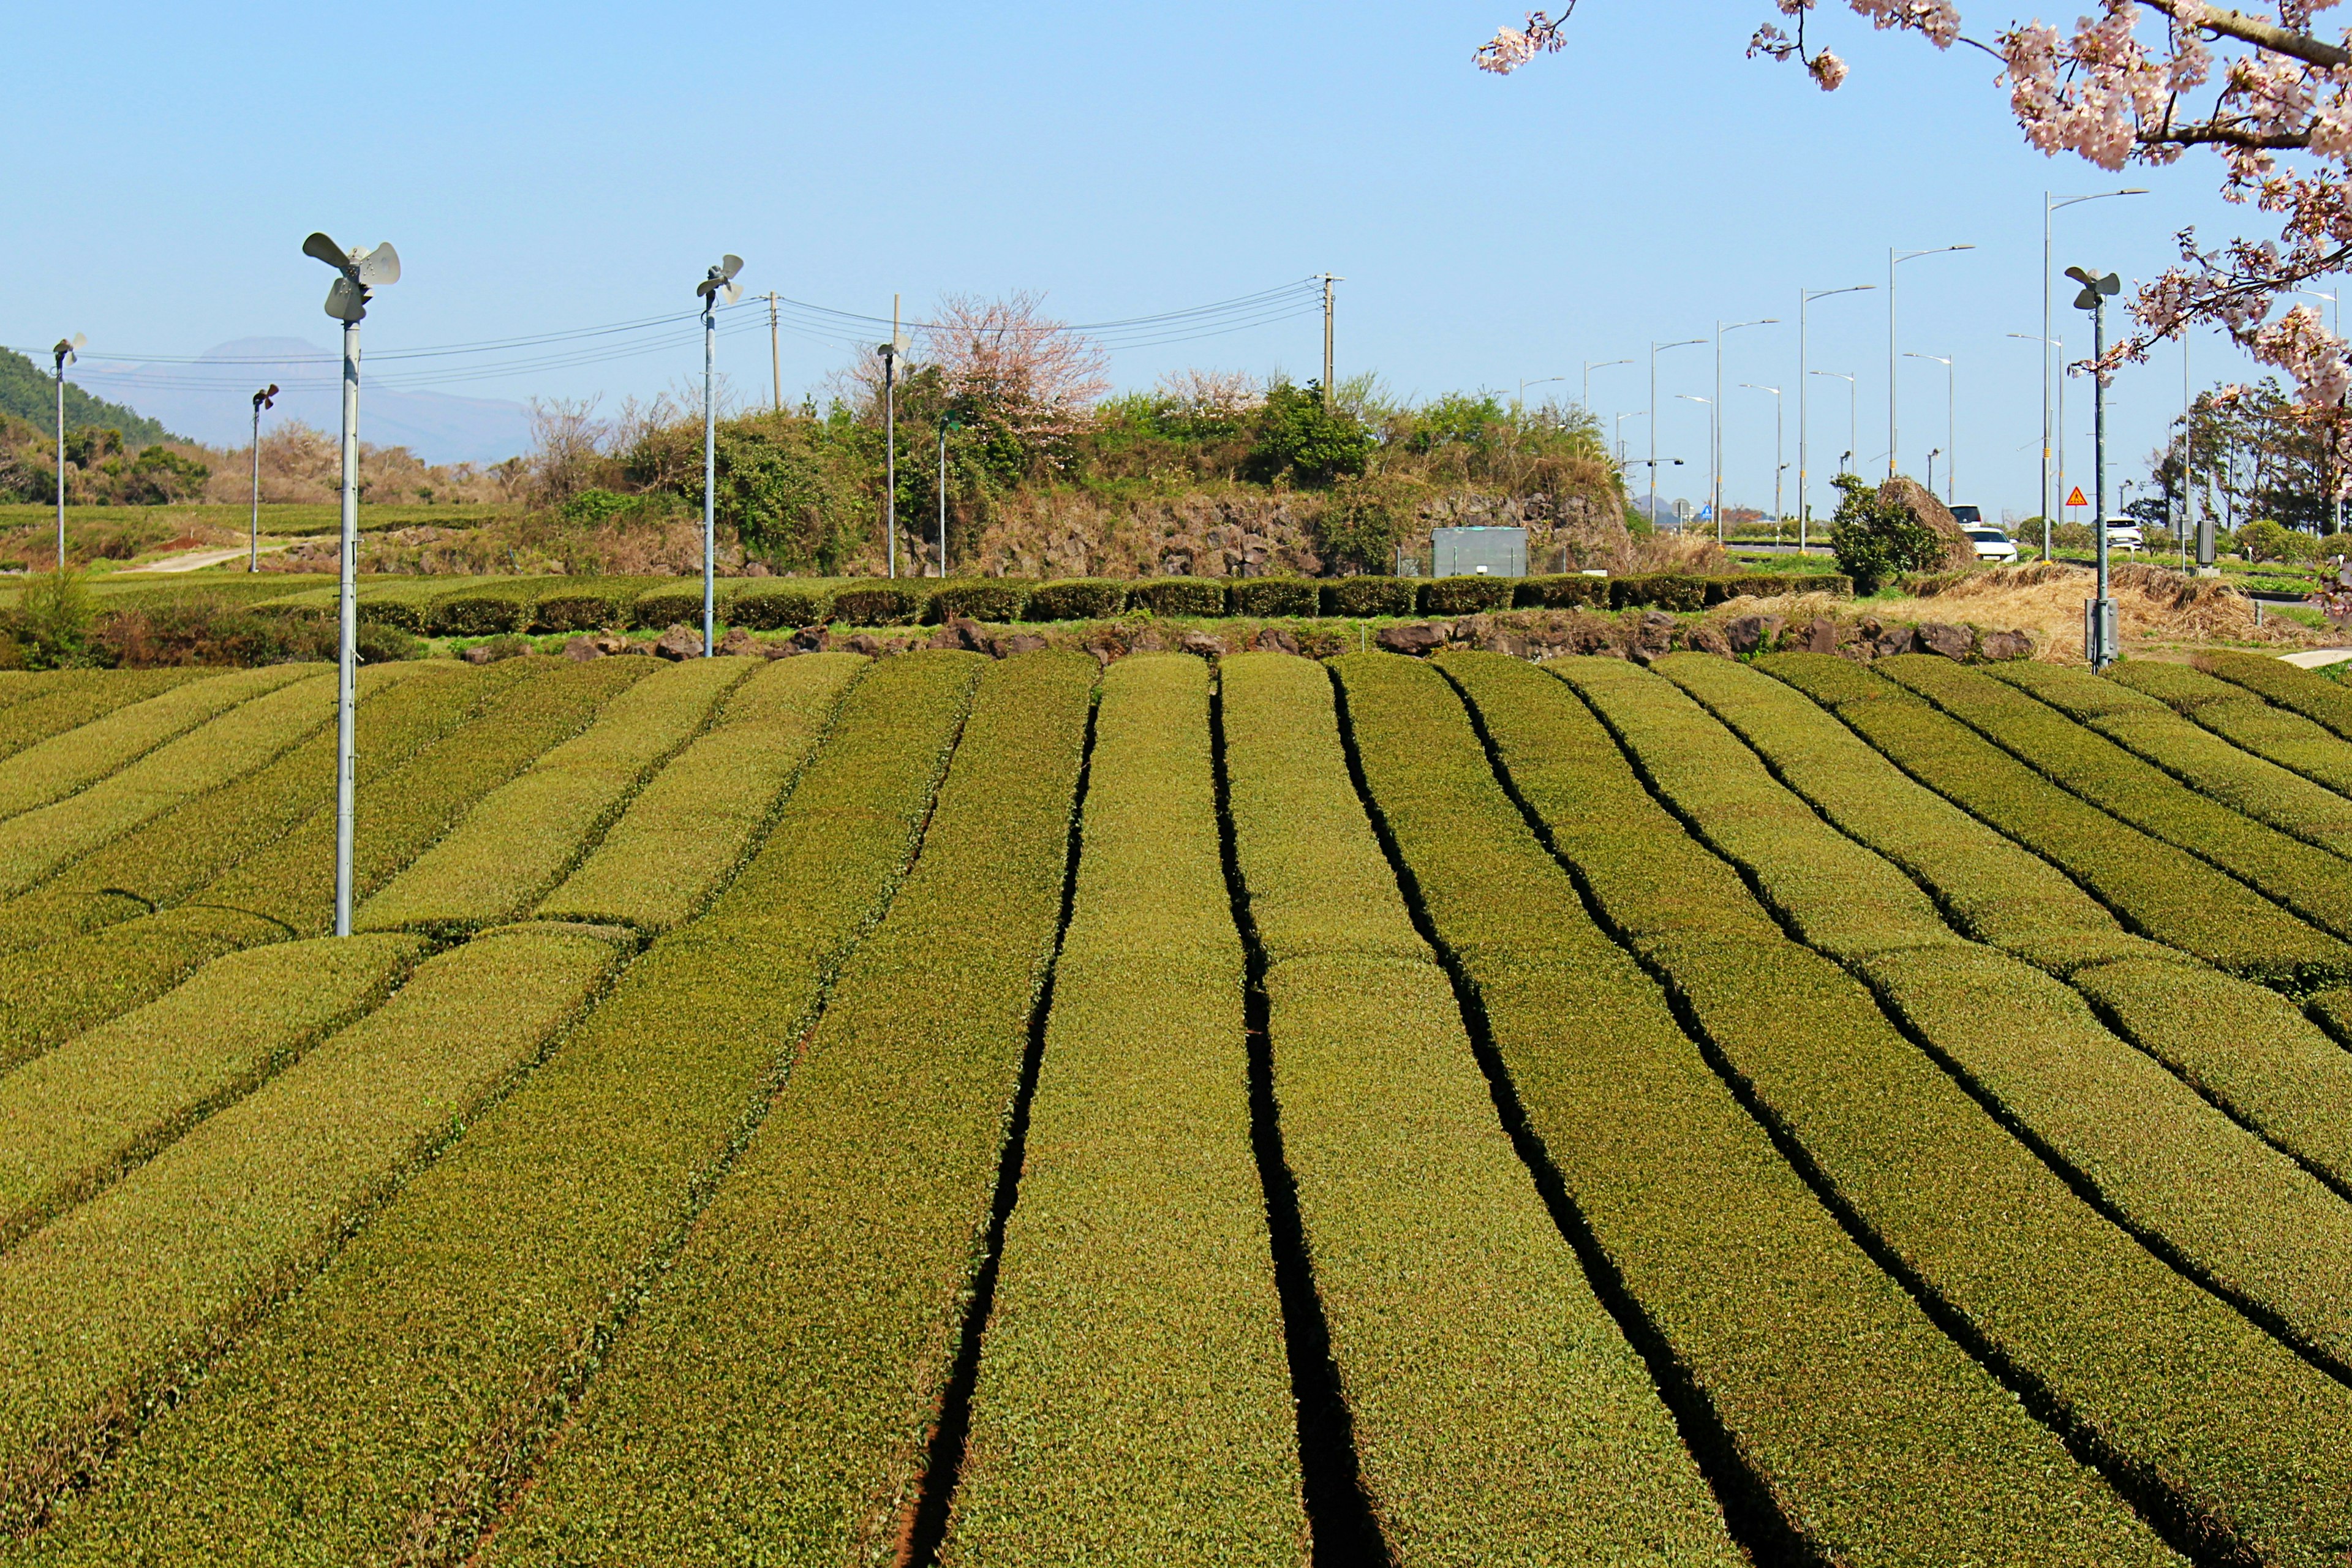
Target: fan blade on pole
<point>326,250</point>
<point>729,265</point>
<point>346,300</point>
<point>381,264</point>
<point>734,293</point>
<point>78,342</point>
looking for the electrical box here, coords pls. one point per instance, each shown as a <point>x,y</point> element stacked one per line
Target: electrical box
<point>2100,647</point>
<point>1479,552</point>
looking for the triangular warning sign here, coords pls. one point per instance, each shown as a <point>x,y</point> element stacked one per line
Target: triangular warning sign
<point>2077,498</point>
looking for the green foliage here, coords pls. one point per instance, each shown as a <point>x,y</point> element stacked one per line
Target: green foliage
<point>1203,596</point>
<point>49,626</point>
<point>2244,720</point>
<point>1078,599</point>
<point>881,604</point>
<point>997,600</point>
<point>1571,591</point>
<point>1876,541</point>
<point>28,393</point>
<point>1467,595</point>
<point>1357,598</point>
<point>1681,591</point>
<point>2262,540</point>
<point>1363,523</point>
<point>52,704</point>
<point>779,605</point>
<point>587,604</point>
<point>1273,597</point>
<point>2322,701</point>
<point>77,759</point>
<point>1445,1283</point>
<point>1299,441</point>
<point>792,492</point>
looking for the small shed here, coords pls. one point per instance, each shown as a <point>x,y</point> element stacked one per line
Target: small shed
<point>1479,552</point>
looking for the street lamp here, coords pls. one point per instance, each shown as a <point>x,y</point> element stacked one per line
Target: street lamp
<point>1708,404</point>
<point>719,280</point>
<point>1951,427</point>
<point>1591,366</point>
<point>357,274</point>
<point>1715,434</point>
<point>65,354</point>
<point>1853,436</point>
<point>1518,404</point>
<point>1684,343</point>
<point>2099,627</point>
<point>1893,259</point>
<point>1637,413</point>
<point>1805,297</point>
<point>265,398</point>
<point>1777,464</point>
<point>2049,206</point>
<point>891,353</point>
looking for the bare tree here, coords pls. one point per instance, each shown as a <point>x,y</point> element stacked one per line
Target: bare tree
<point>567,447</point>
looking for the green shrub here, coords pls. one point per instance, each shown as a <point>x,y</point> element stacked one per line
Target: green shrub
<point>2176,1382</point>
<point>522,839</point>
<point>531,1241</point>
<point>1273,597</point>
<point>881,604</point>
<point>1773,584</point>
<point>1658,590</point>
<point>1465,595</point>
<point>772,1344</point>
<point>1876,541</point>
<point>1847,1408</point>
<point>1446,1285</point>
<point>680,604</point>
<point>1366,597</point>
<point>1300,439</point>
<point>402,607</point>
<point>689,828</point>
<point>2262,540</point>
<point>587,604</point>
<point>2322,701</point>
<point>776,605</point>
<point>1574,590</point>
<point>277,1178</point>
<point>1364,522</point>
<point>64,763</point>
<point>1078,599</point>
<point>997,600</point>
<point>1178,596</point>
<point>50,623</point>
<point>2242,718</point>
<point>474,612</point>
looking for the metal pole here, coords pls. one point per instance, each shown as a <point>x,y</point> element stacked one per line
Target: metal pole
<point>1804,302</point>
<point>775,354</point>
<point>2103,653</point>
<point>943,499</point>
<point>1891,444</point>
<point>253,561</point>
<point>1952,430</point>
<point>890,457</point>
<point>1327,281</point>
<point>61,461</point>
<point>1714,440</point>
<point>2046,376</point>
<point>346,669</point>
<point>2060,344</point>
<point>1652,514</point>
<point>709,475</point>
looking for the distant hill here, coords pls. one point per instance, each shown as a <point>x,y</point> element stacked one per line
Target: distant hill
<point>28,392</point>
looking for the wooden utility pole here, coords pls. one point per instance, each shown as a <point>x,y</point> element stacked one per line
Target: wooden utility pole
<point>775,356</point>
<point>1328,280</point>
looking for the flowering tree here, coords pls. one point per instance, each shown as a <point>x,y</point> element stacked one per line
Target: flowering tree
<point>2144,81</point>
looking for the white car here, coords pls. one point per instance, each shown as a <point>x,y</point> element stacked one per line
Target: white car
<point>2124,536</point>
<point>1991,545</point>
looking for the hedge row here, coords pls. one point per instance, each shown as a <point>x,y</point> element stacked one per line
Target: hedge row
<point>1498,1412</point>
<point>2322,701</point>
<point>2170,1166</point>
<point>526,836</point>
<point>2240,1043</point>
<point>516,1255</point>
<point>688,831</point>
<point>2308,881</point>
<point>77,1118</point>
<point>2198,758</point>
<point>78,758</point>
<point>2242,718</point>
<point>114,1305</point>
<point>2222,1424</point>
<point>2158,890</point>
<point>285,889</point>
<point>401,708</point>
<point>810,1325</point>
<point>1861,1429</point>
<point>52,703</point>
<point>1134,1401</point>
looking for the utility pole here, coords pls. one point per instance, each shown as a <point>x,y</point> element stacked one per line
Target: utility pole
<point>1329,278</point>
<point>2099,619</point>
<point>1687,343</point>
<point>945,425</point>
<point>1893,258</point>
<point>720,280</point>
<point>65,353</point>
<point>775,354</point>
<point>1714,413</point>
<point>2190,523</point>
<point>263,399</point>
<point>1805,297</point>
<point>891,352</point>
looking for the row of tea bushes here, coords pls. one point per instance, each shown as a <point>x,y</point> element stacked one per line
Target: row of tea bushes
<point>2240,717</point>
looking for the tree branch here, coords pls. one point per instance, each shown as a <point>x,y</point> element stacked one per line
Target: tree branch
<point>2264,34</point>
<point>2212,134</point>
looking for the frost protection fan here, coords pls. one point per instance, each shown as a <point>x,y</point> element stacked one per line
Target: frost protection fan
<point>2094,287</point>
<point>67,348</point>
<point>721,281</point>
<point>361,271</point>
<point>265,398</point>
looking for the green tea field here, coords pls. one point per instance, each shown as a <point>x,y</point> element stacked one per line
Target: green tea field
<point>1035,1112</point>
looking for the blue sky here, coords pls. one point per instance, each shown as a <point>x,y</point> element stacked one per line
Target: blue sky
<point>545,167</point>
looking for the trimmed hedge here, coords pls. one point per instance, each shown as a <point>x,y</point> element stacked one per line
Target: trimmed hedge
<point>76,1118</point>
<point>1078,599</point>
<point>885,604</point>
<point>106,1312</point>
<point>2161,891</point>
<point>2144,1368</point>
<point>2237,1042</point>
<point>1177,595</point>
<point>517,1256</point>
<point>810,1325</point>
<point>1773,584</point>
<point>2195,757</point>
<point>2324,702</point>
<point>689,830</point>
<point>996,600</point>
<point>2242,718</point>
<point>2168,1164</point>
<point>678,602</point>
<point>492,606</point>
<point>1569,590</point>
<point>1134,1401</point>
<point>588,603</point>
<point>78,758</point>
<point>1273,598</point>
<point>1815,1378</point>
<point>54,702</point>
<point>1465,595</point>
<point>403,606</point>
<point>1658,590</point>
<point>524,839</point>
<point>776,605</point>
<point>1363,598</point>
<point>1498,1412</point>
<point>2308,881</point>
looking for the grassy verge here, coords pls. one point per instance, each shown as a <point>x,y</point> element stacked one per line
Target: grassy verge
<point>2242,718</point>
<point>687,831</point>
<point>1133,1401</point>
<point>810,1326</point>
<point>117,1302</point>
<point>2241,1045</point>
<point>1839,1423</point>
<point>1500,1414</point>
<point>78,758</point>
<point>327,1437</point>
<point>2212,1423</point>
<point>72,1120</point>
<point>2325,701</point>
<point>524,836</point>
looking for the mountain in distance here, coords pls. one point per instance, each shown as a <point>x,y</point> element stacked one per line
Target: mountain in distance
<point>211,401</point>
<point>28,391</point>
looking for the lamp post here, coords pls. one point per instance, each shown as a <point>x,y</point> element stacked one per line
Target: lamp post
<point>945,425</point>
<point>266,397</point>
<point>719,280</point>
<point>2099,629</point>
<point>2046,344</point>
<point>64,356</point>
<point>1893,259</point>
<point>1518,404</point>
<point>1591,366</point>
<point>891,352</point>
<point>1777,464</point>
<point>1620,436</point>
<point>2050,205</point>
<point>1852,439</point>
<point>1805,297</point>
<point>1684,343</point>
<point>1715,431</point>
<point>1951,425</point>
<point>1708,404</point>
